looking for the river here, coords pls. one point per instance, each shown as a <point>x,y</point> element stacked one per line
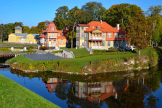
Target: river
<point>120,89</point>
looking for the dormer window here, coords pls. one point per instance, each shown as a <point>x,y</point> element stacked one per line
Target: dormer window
<point>93,27</point>
<point>98,27</point>
<point>52,28</point>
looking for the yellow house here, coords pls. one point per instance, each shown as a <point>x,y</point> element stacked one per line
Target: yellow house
<point>19,37</point>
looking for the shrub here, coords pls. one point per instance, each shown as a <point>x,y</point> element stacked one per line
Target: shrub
<point>43,48</point>
<point>112,49</point>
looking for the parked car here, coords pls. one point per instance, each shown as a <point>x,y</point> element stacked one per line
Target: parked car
<point>126,48</point>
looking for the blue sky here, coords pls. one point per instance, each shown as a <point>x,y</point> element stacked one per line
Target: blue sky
<point>31,12</point>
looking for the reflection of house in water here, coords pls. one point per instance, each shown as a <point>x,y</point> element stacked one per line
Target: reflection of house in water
<point>51,83</point>
<point>97,91</point>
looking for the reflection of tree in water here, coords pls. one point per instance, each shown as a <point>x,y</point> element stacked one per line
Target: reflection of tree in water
<point>133,97</point>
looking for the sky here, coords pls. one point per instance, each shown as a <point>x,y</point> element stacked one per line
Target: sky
<point>31,12</point>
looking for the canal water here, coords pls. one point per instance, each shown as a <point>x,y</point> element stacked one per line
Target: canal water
<point>136,89</point>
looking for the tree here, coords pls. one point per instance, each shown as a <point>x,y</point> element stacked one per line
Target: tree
<point>137,31</point>
<point>61,17</point>
<point>25,29</point>
<point>93,11</point>
<point>34,30</point>
<point>121,14</point>
<point>41,26</point>
<point>75,16</point>
<point>154,15</point>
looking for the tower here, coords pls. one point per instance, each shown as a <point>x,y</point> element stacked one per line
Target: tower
<point>18,29</point>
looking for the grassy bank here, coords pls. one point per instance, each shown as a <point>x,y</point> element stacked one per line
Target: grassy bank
<point>90,64</point>
<point>14,95</point>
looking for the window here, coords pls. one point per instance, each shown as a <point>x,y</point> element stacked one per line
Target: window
<point>61,41</point>
<point>120,36</point>
<point>98,27</point>
<point>114,89</point>
<point>58,34</point>
<point>108,90</point>
<point>86,34</point>
<point>62,34</point>
<point>82,28</point>
<point>77,27</point>
<point>103,35</point>
<point>123,36</point>
<point>103,43</point>
<point>109,35</point>
<point>93,27</point>
<point>77,43</point>
<point>108,43</point>
<point>52,28</point>
<point>116,35</point>
<point>82,35</point>
<point>77,35</point>
<point>54,41</point>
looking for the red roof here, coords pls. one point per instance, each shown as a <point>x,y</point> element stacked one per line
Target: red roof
<point>93,25</point>
<point>61,37</point>
<point>49,28</point>
<point>83,25</point>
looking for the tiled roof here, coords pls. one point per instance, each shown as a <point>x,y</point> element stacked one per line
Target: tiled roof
<point>61,37</point>
<point>49,28</point>
<point>35,34</point>
<point>104,27</point>
<point>20,34</point>
<point>83,25</point>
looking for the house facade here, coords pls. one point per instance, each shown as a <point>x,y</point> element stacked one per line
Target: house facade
<point>100,35</point>
<point>52,37</point>
<point>19,37</point>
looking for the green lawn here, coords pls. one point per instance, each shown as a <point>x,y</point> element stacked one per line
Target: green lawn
<point>78,52</point>
<point>13,95</point>
<point>16,44</point>
<point>5,50</point>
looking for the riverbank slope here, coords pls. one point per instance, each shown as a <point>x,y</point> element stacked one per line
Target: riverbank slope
<point>92,64</point>
<point>14,95</point>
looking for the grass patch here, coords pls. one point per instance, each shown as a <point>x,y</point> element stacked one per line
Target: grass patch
<point>57,51</point>
<point>14,95</point>
<point>16,44</point>
<point>78,52</point>
<point>5,50</point>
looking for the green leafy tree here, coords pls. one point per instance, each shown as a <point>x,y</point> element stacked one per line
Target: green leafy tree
<point>41,26</point>
<point>34,30</point>
<point>94,11</point>
<point>121,14</point>
<point>61,17</point>
<point>25,29</point>
<point>137,31</point>
<point>154,15</point>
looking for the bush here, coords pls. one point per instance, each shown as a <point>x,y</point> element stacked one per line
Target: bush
<point>43,48</point>
<point>112,49</point>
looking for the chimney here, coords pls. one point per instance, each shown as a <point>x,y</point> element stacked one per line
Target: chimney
<point>101,21</point>
<point>117,26</point>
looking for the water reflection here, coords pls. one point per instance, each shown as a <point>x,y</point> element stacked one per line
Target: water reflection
<point>125,89</point>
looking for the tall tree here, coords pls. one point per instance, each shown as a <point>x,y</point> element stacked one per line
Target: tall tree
<point>94,11</point>
<point>154,15</point>
<point>25,29</point>
<point>121,14</point>
<point>41,26</point>
<point>137,31</point>
<point>61,17</point>
<point>34,30</point>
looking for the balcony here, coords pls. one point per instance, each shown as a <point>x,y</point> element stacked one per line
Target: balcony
<point>96,47</point>
<point>52,37</point>
<point>96,38</point>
